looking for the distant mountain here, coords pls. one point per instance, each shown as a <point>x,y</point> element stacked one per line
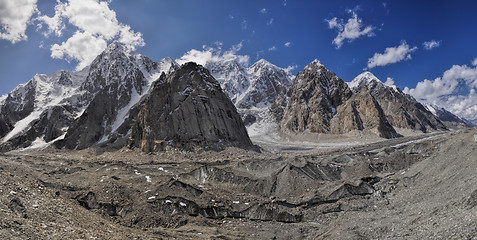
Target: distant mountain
<point>320,102</point>
<point>450,120</point>
<point>401,110</point>
<point>100,104</point>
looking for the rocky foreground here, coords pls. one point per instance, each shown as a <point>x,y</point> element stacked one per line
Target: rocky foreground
<point>420,187</point>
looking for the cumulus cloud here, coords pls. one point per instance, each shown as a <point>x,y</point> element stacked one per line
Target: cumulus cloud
<point>96,24</point>
<point>289,69</point>
<point>287,44</point>
<point>454,90</point>
<point>352,29</point>
<point>391,55</point>
<point>263,11</point>
<point>82,46</point>
<point>215,54</point>
<point>389,82</point>
<point>431,44</point>
<point>15,15</point>
<point>273,48</point>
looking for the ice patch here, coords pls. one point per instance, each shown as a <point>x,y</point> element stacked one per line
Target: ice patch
<point>148,179</point>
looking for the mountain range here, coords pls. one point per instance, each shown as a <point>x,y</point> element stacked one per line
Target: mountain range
<point>102,104</point>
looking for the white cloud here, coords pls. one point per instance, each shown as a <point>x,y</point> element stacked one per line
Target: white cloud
<point>82,47</point>
<point>454,91</point>
<point>273,48</point>
<point>14,17</point>
<point>270,21</point>
<point>353,29</point>
<point>474,62</point>
<point>244,24</point>
<point>96,24</point>
<point>391,55</point>
<point>231,16</point>
<point>287,44</point>
<point>214,54</point>
<point>291,68</point>
<point>263,11</point>
<point>431,44</point>
<point>284,3</point>
<point>389,82</point>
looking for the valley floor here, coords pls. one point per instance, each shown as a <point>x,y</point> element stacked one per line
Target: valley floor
<point>415,187</point>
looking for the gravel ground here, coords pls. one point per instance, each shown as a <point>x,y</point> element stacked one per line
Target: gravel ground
<point>417,187</point>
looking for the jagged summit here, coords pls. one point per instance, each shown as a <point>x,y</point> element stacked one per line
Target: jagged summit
<point>401,110</point>
<point>314,96</point>
<point>315,63</point>
<point>365,78</point>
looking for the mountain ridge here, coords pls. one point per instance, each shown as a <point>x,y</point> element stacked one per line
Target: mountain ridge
<point>98,104</point>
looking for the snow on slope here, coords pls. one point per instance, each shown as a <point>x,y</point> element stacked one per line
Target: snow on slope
<point>50,90</point>
<point>77,89</point>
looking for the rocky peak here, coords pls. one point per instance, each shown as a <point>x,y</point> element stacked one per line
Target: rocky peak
<point>231,75</point>
<point>314,95</point>
<point>401,110</point>
<point>187,110</point>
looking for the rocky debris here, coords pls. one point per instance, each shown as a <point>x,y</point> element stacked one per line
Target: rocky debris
<point>185,110</point>
<point>313,98</point>
<point>17,207</point>
<point>400,109</point>
<point>362,112</point>
<point>417,187</point>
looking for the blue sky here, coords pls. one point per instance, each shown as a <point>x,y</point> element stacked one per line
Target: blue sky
<point>286,33</point>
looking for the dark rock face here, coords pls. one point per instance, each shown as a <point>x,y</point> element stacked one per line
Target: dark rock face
<point>19,104</point>
<point>314,96</point>
<point>5,126</point>
<point>361,112</point>
<point>401,110</point>
<point>101,113</point>
<point>49,126</point>
<point>188,109</point>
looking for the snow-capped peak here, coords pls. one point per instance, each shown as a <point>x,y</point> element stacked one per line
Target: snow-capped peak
<point>262,62</point>
<point>367,77</point>
<point>316,63</point>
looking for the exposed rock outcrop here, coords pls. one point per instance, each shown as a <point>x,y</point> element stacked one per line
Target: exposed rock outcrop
<point>362,112</point>
<point>314,96</point>
<point>188,109</point>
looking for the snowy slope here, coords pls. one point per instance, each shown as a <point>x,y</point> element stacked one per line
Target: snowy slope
<point>117,71</point>
<point>253,90</point>
<point>48,90</point>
